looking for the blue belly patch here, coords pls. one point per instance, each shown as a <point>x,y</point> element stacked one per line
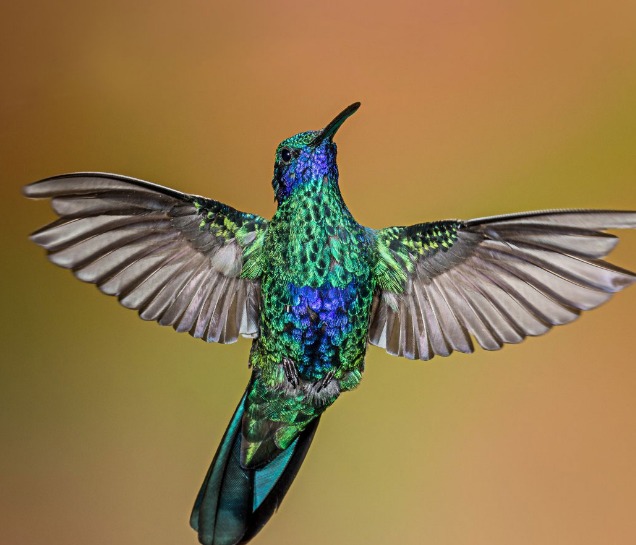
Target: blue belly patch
<point>319,321</point>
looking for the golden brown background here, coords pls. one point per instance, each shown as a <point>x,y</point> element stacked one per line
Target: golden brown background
<point>469,109</point>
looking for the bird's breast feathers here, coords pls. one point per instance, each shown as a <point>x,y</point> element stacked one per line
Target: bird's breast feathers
<point>317,290</point>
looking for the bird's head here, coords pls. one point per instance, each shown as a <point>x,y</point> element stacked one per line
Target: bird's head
<point>307,156</point>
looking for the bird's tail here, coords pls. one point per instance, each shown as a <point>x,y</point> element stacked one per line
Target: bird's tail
<point>235,502</point>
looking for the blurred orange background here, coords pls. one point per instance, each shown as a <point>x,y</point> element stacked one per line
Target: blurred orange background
<point>469,109</point>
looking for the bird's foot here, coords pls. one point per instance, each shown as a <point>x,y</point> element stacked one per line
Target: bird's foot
<point>324,381</point>
<point>291,372</point>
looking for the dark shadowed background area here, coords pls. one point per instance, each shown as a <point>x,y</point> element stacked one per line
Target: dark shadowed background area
<point>469,109</point>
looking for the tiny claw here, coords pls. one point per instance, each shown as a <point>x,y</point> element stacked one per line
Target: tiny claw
<point>291,373</point>
<point>324,381</point>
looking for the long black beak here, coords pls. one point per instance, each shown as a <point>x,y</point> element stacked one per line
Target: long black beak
<point>330,130</point>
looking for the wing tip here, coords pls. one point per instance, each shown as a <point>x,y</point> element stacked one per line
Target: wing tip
<point>38,189</point>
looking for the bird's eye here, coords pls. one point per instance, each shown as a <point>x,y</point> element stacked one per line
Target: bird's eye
<point>286,155</point>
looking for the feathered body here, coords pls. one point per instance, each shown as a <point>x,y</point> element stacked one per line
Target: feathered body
<point>317,284</point>
<point>313,288</point>
<point>317,287</point>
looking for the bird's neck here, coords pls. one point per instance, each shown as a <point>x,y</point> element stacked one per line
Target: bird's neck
<point>316,197</point>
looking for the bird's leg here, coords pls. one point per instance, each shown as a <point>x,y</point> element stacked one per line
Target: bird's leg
<point>324,381</point>
<point>291,373</point>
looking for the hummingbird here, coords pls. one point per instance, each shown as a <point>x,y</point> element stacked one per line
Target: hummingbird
<point>313,288</point>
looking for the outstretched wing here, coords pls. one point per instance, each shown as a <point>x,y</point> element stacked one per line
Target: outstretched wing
<point>179,259</point>
<point>496,279</point>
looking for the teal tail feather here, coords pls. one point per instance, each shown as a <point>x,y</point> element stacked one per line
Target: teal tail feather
<point>235,502</point>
